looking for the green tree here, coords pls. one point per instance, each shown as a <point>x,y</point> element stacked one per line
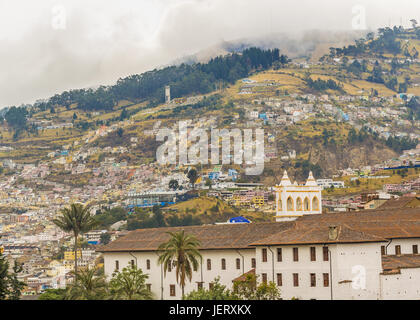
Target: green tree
<point>181,251</point>
<point>192,175</point>
<point>158,216</point>
<point>247,289</point>
<point>15,286</point>
<point>217,292</point>
<point>120,132</point>
<point>89,285</point>
<point>4,275</point>
<point>108,217</point>
<point>53,294</point>
<point>208,183</point>
<point>124,115</point>
<point>173,184</point>
<point>16,117</point>
<point>129,284</point>
<point>105,238</point>
<point>267,291</point>
<point>10,286</point>
<point>75,219</point>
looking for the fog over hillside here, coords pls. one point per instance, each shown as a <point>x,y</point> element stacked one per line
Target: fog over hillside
<point>50,46</point>
<point>301,45</point>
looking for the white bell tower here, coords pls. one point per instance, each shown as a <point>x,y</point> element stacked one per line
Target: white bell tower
<point>293,200</point>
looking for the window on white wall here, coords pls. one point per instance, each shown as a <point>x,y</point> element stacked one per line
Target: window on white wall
<point>296,280</point>
<point>326,277</point>
<point>264,277</point>
<point>295,254</point>
<point>315,204</point>
<point>313,254</point>
<point>306,204</point>
<point>264,255</point>
<point>313,280</point>
<point>117,265</point>
<point>299,204</point>
<point>279,255</point>
<point>325,253</point>
<point>279,279</point>
<point>290,204</point>
<point>253,263</point>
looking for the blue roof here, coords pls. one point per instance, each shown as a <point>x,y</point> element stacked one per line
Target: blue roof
<point>239,220</point>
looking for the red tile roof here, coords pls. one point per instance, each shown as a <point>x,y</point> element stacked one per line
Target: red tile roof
<point>393,263</point>
<point>402,202</point>
<point>361,226</point>
<point>225,236</point>
<point>318,235</point>
<point>243,277</point>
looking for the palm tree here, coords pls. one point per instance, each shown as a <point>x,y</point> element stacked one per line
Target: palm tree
<point>89,285</point>
<point>182,251</point>
<point>76,219</point>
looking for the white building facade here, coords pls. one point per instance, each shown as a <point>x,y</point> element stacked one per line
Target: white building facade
<point>326,256</point>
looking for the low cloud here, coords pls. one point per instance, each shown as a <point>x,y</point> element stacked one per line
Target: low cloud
<point>103,40</point>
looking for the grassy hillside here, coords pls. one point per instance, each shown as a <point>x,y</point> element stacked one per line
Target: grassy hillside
<point>273,79</point>
<point>210,210</point>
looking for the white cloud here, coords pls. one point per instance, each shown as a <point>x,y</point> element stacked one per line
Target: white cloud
<point>104,40</point>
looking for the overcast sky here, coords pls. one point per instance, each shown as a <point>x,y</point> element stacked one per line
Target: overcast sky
<point>49,46</point>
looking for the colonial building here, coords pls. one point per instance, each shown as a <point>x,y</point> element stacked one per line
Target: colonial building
<point>371,254</point>
<point>293,200</point>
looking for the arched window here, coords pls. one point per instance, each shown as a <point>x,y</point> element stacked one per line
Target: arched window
<point>280,208</point>
<point>223,264</point>
<point>315,204</point>
<point>238,263</point>
<point>290,204</point>
<point>306,204</point>
<point>299,204</point>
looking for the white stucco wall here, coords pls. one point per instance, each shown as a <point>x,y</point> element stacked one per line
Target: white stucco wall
<point>406,245</point>
<point>402,286</point>
<point>361,264</point>
<point>344,258</point>
<point>356,271</point>
<point>207,276</point>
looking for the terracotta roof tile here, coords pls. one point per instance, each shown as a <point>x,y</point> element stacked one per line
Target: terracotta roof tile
<point>243,277</point>
<point>401,202</point>
<point>396,262</point>
<point>318,235</point>
<point>367,225</point>
<point>224,236</point>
